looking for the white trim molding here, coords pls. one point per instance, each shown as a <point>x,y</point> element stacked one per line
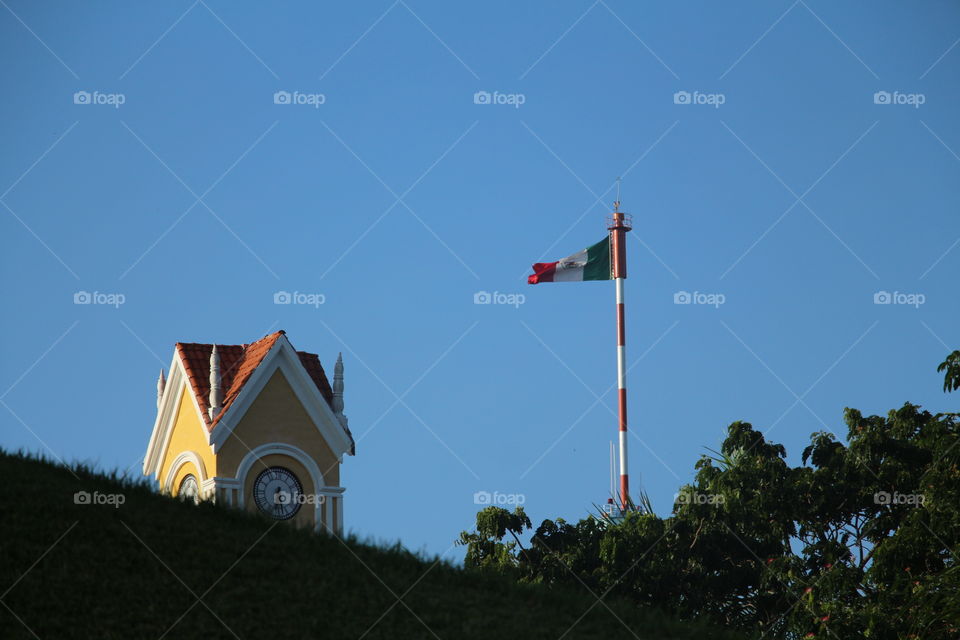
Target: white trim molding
<point>177,384</point>
<point>333,496</point>
<point>220,489</point>
<point>178,462</point>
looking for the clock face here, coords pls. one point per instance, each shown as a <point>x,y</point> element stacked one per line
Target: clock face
<point>189,490</point>
<point>277,493</point>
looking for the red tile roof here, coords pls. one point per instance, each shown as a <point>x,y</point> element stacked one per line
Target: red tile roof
<point>237,364</point>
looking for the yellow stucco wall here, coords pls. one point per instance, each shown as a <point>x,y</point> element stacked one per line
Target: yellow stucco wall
<point>276,415</point>
<point>189,434</point>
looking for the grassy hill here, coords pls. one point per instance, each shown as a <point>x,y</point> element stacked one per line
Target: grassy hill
<point>137,570</point>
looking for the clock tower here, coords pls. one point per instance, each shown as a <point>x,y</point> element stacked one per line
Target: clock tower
<point>254,426</point>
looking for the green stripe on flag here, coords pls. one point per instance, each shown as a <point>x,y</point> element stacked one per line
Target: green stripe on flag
<point>598,261</point>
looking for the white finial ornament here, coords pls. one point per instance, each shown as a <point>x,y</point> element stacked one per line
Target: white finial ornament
<point>161,385</point>
<point>216,394</point>
<point>337,403</point>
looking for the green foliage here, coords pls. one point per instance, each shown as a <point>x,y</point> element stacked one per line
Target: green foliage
<point>73,570</point>
<point>861,540</point>
<point>485,546</point>
<point>951,379</point>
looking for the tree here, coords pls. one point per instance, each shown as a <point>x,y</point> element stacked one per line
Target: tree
<point>485,546</point>
<point>861,540</point>
<point>951,379</point>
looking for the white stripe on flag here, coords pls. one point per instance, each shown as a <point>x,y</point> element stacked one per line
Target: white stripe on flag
<point>570,269</point>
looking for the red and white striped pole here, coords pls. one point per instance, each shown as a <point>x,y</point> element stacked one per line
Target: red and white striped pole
<point>618,262</point>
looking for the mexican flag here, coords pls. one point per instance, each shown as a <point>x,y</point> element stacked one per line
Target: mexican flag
<point>593,263</point>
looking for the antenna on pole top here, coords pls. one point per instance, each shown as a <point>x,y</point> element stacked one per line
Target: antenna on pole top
<point>616,205</point>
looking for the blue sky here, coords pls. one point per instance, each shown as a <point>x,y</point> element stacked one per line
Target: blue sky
<point>811,163</point>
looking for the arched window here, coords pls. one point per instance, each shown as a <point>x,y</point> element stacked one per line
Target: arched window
<point>189,489</point>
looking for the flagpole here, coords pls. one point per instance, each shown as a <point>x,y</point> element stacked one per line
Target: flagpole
<point>619,225</point>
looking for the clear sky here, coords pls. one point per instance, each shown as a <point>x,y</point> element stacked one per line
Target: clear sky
<point>781,183</point>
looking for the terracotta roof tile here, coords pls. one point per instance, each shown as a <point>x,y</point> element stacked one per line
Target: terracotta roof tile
<point>237,364</point>
<point>311,362</point>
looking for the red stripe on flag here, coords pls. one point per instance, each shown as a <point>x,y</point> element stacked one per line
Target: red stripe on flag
<point>543,272</point>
